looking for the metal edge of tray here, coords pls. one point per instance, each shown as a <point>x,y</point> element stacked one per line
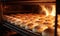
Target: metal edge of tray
<point>20,30</point>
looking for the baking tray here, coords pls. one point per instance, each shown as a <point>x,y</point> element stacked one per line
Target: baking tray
<point>20,30</point>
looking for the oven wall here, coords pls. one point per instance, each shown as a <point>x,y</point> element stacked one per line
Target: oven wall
<point>1,19</point>
<point>18,7</point>
<point>0,12</point>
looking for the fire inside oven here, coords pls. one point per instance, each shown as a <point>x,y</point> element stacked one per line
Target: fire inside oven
<point>35,17</point>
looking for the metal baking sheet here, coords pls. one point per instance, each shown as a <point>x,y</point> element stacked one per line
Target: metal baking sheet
<point>20,30</point>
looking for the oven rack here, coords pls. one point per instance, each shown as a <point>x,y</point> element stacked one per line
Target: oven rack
<point>20,30</point>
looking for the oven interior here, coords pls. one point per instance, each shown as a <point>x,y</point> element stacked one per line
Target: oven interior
<point>19,17</point>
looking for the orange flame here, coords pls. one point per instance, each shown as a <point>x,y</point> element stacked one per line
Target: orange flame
<point>53,12</point>
<point>44,9</point>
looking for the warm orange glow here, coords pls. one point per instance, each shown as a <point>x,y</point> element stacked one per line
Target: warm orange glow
<point>44,9</point>
<point>53,12</point>
<point>31,21</point>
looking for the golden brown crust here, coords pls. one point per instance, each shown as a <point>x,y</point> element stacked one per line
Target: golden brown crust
<point>40,28</point>
<point>32,21</point>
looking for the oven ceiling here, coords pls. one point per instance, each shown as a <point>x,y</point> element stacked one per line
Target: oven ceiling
<point>33,0</point>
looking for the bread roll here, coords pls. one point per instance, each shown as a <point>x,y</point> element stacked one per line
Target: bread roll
<point>40,28</point>
<point>58,31</point>
<point>31,26</point>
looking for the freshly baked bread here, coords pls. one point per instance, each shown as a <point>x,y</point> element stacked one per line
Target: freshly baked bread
<point>40,28</point>
<point>33,22</point>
